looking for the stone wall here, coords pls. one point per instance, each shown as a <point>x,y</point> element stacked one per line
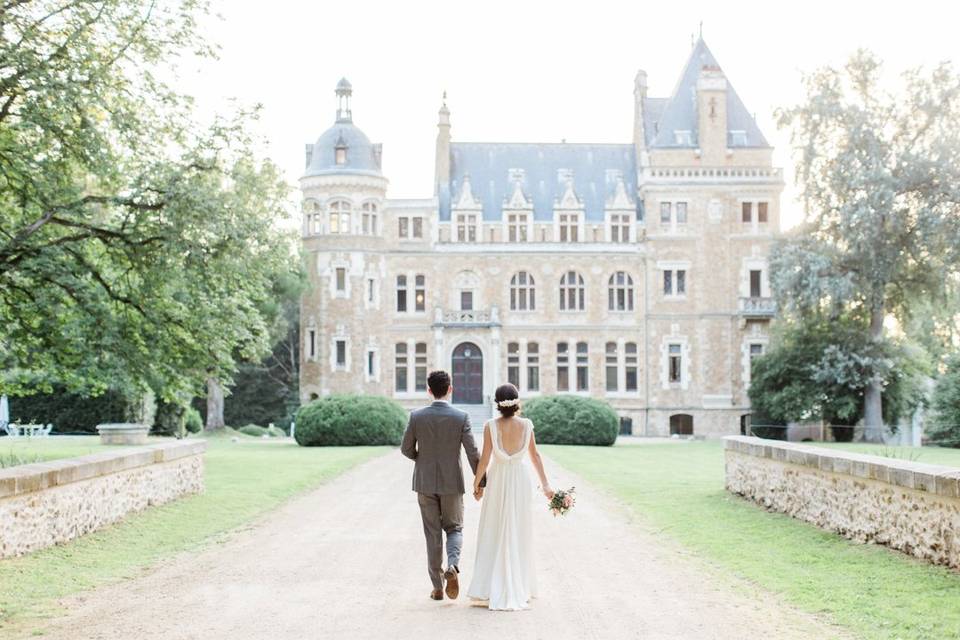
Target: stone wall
<point>906,505</point>
<point>52,502</point>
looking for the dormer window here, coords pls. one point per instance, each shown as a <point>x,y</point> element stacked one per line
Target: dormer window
<point>683,137</point>
<point>341,155</point>
<point>738,138</point>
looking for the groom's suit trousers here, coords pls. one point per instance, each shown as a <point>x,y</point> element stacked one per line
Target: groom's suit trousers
<point>441,513</point>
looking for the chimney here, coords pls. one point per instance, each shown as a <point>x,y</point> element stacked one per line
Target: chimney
<point>712,114</point>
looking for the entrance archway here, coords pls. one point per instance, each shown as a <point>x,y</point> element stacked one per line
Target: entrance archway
<point>467,367</point>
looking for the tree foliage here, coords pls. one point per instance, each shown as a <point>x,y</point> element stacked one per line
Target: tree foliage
<point>820,368</point>
<point>944,425</point>
<point>880,179</point>
<point>137,248</point>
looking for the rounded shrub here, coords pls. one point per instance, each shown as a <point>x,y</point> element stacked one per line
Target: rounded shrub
<point>349,420</point>
<point>253,430</point>
<point>193,422</point>
<point>572,420</point>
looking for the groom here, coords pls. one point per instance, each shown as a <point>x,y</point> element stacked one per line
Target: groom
<point>432,440</point>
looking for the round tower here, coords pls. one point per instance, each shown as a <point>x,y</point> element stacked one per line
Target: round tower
<point>343,191</point>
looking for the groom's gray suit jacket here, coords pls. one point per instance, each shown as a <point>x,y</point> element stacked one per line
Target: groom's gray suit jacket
<point>432,440</point>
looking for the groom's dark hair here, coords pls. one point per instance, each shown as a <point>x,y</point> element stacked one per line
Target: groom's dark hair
<point>439,383</point>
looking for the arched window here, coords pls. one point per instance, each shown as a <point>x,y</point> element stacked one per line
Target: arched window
<point>522,292</point>
<point>572,292</point>
<point>339,216</point>
<point>620,292</point>
<point>369,218</point>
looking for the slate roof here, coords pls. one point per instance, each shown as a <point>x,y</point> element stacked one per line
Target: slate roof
<point>680,111</point>
<point>490,165</point>
<point>492,171</point>
<point>362,155</point>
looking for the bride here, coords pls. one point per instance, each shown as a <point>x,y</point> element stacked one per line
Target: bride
<point>503,574</point>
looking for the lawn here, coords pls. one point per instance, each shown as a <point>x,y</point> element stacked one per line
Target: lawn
<point>677,489</point>
<point>244,479</point>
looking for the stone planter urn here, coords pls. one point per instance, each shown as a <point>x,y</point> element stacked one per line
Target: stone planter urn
<point>123,433</point>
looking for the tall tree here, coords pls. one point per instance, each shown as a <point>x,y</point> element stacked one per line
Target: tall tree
<point>880,178</point>
<point>137,248</point>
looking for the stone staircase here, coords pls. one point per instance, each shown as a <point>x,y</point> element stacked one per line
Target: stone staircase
<point>479,413</point>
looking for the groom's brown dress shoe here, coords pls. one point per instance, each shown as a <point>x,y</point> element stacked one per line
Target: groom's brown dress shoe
<point>436,594</point>
<point>453,583</point>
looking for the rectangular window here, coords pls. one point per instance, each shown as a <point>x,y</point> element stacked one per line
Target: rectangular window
<point>630,363</point>
<point>517,227</point>
<point>420,366</point>
<point>569,227</point>
<point>747,212</point>
<point>620,228</point>
<point>341,279</point>
<point>755,290</point>
<point>533,366</point>
<point>402,294</point>
<point>341,353</point>
<point>513,364</point>
<point>467,228</point>
<point>312,342</point>
<point>674,363</point>
<point>612,369</point>
<point>466,300</point>
<point>681,212</point>
<point>404,228</point>
<point>400,367</point>
<point>366,224</point>
<point>761,212</point>
<point>755,351</point>
<point>563,367</point>
<point>681,282</point>
<point>420,295</point>
<point>583,367</point>
<point>371,290</point>
<point>665,213</point>
<point>418,227</point>
<point>371,363</point>
<point>667,282</point>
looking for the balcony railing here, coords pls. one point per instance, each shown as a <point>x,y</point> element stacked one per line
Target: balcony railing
<point>470,318</point>
<point>756,307</point>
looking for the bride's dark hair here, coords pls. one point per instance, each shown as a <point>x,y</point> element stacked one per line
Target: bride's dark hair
<point>505,393</point>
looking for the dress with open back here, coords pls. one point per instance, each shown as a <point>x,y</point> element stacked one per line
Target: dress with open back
<point>503,573</point>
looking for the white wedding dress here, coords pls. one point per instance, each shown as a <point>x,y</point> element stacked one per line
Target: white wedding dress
<point>503,573</point>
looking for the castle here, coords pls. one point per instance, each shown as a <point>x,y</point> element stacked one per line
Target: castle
<point>636,273</point>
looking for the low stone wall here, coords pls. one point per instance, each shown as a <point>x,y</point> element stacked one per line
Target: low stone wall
<point>906,505</point>
<point>47,503</point>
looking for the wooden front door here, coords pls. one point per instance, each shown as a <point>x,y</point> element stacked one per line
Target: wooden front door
<point>467,374</point>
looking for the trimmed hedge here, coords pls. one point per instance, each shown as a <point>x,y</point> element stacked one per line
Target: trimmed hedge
<point>572,420</point>
<point>350,420</point>
<point>69,412</point>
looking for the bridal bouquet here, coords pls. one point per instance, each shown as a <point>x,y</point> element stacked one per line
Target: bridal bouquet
<point>562,502</point>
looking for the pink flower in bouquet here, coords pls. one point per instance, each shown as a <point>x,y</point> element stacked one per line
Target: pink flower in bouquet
<point>567,501</point>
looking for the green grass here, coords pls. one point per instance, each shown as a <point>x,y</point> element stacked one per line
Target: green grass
<point>677,489</point>
<point>243,480</point>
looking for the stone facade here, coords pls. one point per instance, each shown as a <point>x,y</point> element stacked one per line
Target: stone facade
<point>49,503</point>
<point>636,273</point>
<point>905,505</point>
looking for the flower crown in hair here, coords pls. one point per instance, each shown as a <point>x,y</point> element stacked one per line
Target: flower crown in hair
<point>508,403</point>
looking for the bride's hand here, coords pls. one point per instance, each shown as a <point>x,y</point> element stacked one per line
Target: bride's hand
<point>477,493</point>
<point>548,492</point>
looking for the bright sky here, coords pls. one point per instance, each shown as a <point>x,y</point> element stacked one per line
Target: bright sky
<point>530,71</point>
